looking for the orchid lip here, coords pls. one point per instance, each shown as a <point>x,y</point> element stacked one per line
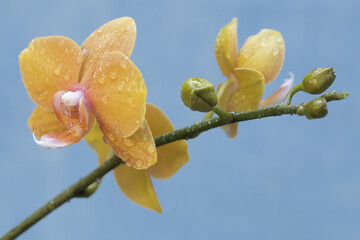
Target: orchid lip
<point>71,99</point>
<point>49,143</point>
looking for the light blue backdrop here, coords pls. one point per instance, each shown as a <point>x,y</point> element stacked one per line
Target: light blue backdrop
<point>280,178</point>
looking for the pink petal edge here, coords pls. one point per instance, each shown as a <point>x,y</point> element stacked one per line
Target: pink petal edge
<point>280,93</point>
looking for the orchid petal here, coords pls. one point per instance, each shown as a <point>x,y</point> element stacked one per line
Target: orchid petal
<point>224,93</point>
<point>226,47</point>
<point>57,140</point>
<point>48,65</point>
<point>263,52</point>
<point>116,35</point>
<point>138,150</point>
<point>95,139</point>
<point>43,121</point>
<point>170,157</point>
<point>280,93</point>
<point>117,94</point>
<point>250,89</point>
<point>137,186</point>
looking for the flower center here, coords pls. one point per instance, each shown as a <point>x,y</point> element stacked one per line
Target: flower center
<point>70,109</point>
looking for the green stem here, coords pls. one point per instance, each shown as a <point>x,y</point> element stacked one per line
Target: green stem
<point>184,133</point>
<point>291,93</point>
<point>224,115</point>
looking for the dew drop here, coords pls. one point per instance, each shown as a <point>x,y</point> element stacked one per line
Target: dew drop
<point>120,87</point>
<point>275,52</point>
<point>104,99</point>
<point>117,131</point>
<point>32,45</point>
<point>113,75</point>
<point>67,76</point>
<point>130,100</point>
<point>79,59</point>
<point>151,149</point>
<point>101,80</point>
<point>145,137</point>
<point>57,70</point>
<point>129,143</point>
<point>61,42</point>
<point>99,30</point>
<point>139,163</point>
<point>42,51</point>
<point>111,137</point>
<point>43,96</point>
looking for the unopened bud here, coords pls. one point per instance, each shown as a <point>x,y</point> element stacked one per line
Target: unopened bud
<point>318,80</point>
<point>198,94</point>
<point>315,109</point>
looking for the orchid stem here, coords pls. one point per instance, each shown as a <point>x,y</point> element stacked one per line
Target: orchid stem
<point>291,93</point>
<point>224,115</point>
<point>80,188</point>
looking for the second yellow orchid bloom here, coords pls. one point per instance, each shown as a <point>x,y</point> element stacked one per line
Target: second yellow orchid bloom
<point>258,63</point>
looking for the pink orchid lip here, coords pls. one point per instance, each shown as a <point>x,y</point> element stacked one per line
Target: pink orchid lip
<point>280,93</point>
<point>64,106</point>
<point>50,142</point>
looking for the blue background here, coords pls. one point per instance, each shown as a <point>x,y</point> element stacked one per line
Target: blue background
<point>280,178</point>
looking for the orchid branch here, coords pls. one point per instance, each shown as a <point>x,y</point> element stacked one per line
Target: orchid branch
<point>189,132</point>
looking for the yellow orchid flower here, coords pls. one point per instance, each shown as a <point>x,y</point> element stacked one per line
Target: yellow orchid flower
<point>136,184</point>
<point>74,87</point>
<point>258,63</point>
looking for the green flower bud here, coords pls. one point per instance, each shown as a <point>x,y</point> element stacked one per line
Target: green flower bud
<point>316,109</point>
<point>198,94</point>
<point>318,80</point>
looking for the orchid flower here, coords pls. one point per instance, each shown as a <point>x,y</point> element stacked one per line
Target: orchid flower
<point>258,63</point>
<point>95,91</point>
<point>75,86</point>
<point>137,184</point>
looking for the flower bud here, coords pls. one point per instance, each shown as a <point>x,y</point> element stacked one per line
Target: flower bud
<point>318,80</point>
<point>198,94</point>
<point>316,109</point>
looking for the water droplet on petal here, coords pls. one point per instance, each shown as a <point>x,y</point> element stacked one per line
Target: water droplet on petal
<point>57,70</point>
<point>113,75</point>
<point>42,51</point>
<point>111,137</point>
<point>139,163</point>
<point>101,80</point>
<point>67,76</point>
<point>79,59</point>
<point>129,143</point>
<point>275,52</point>
<point>99,30</point>
<point>120,87</point>
<point>151,148</point>
<point>104,99</point>
<point>61,42</point>
<point>43,96</point>
<point>130,100</point>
